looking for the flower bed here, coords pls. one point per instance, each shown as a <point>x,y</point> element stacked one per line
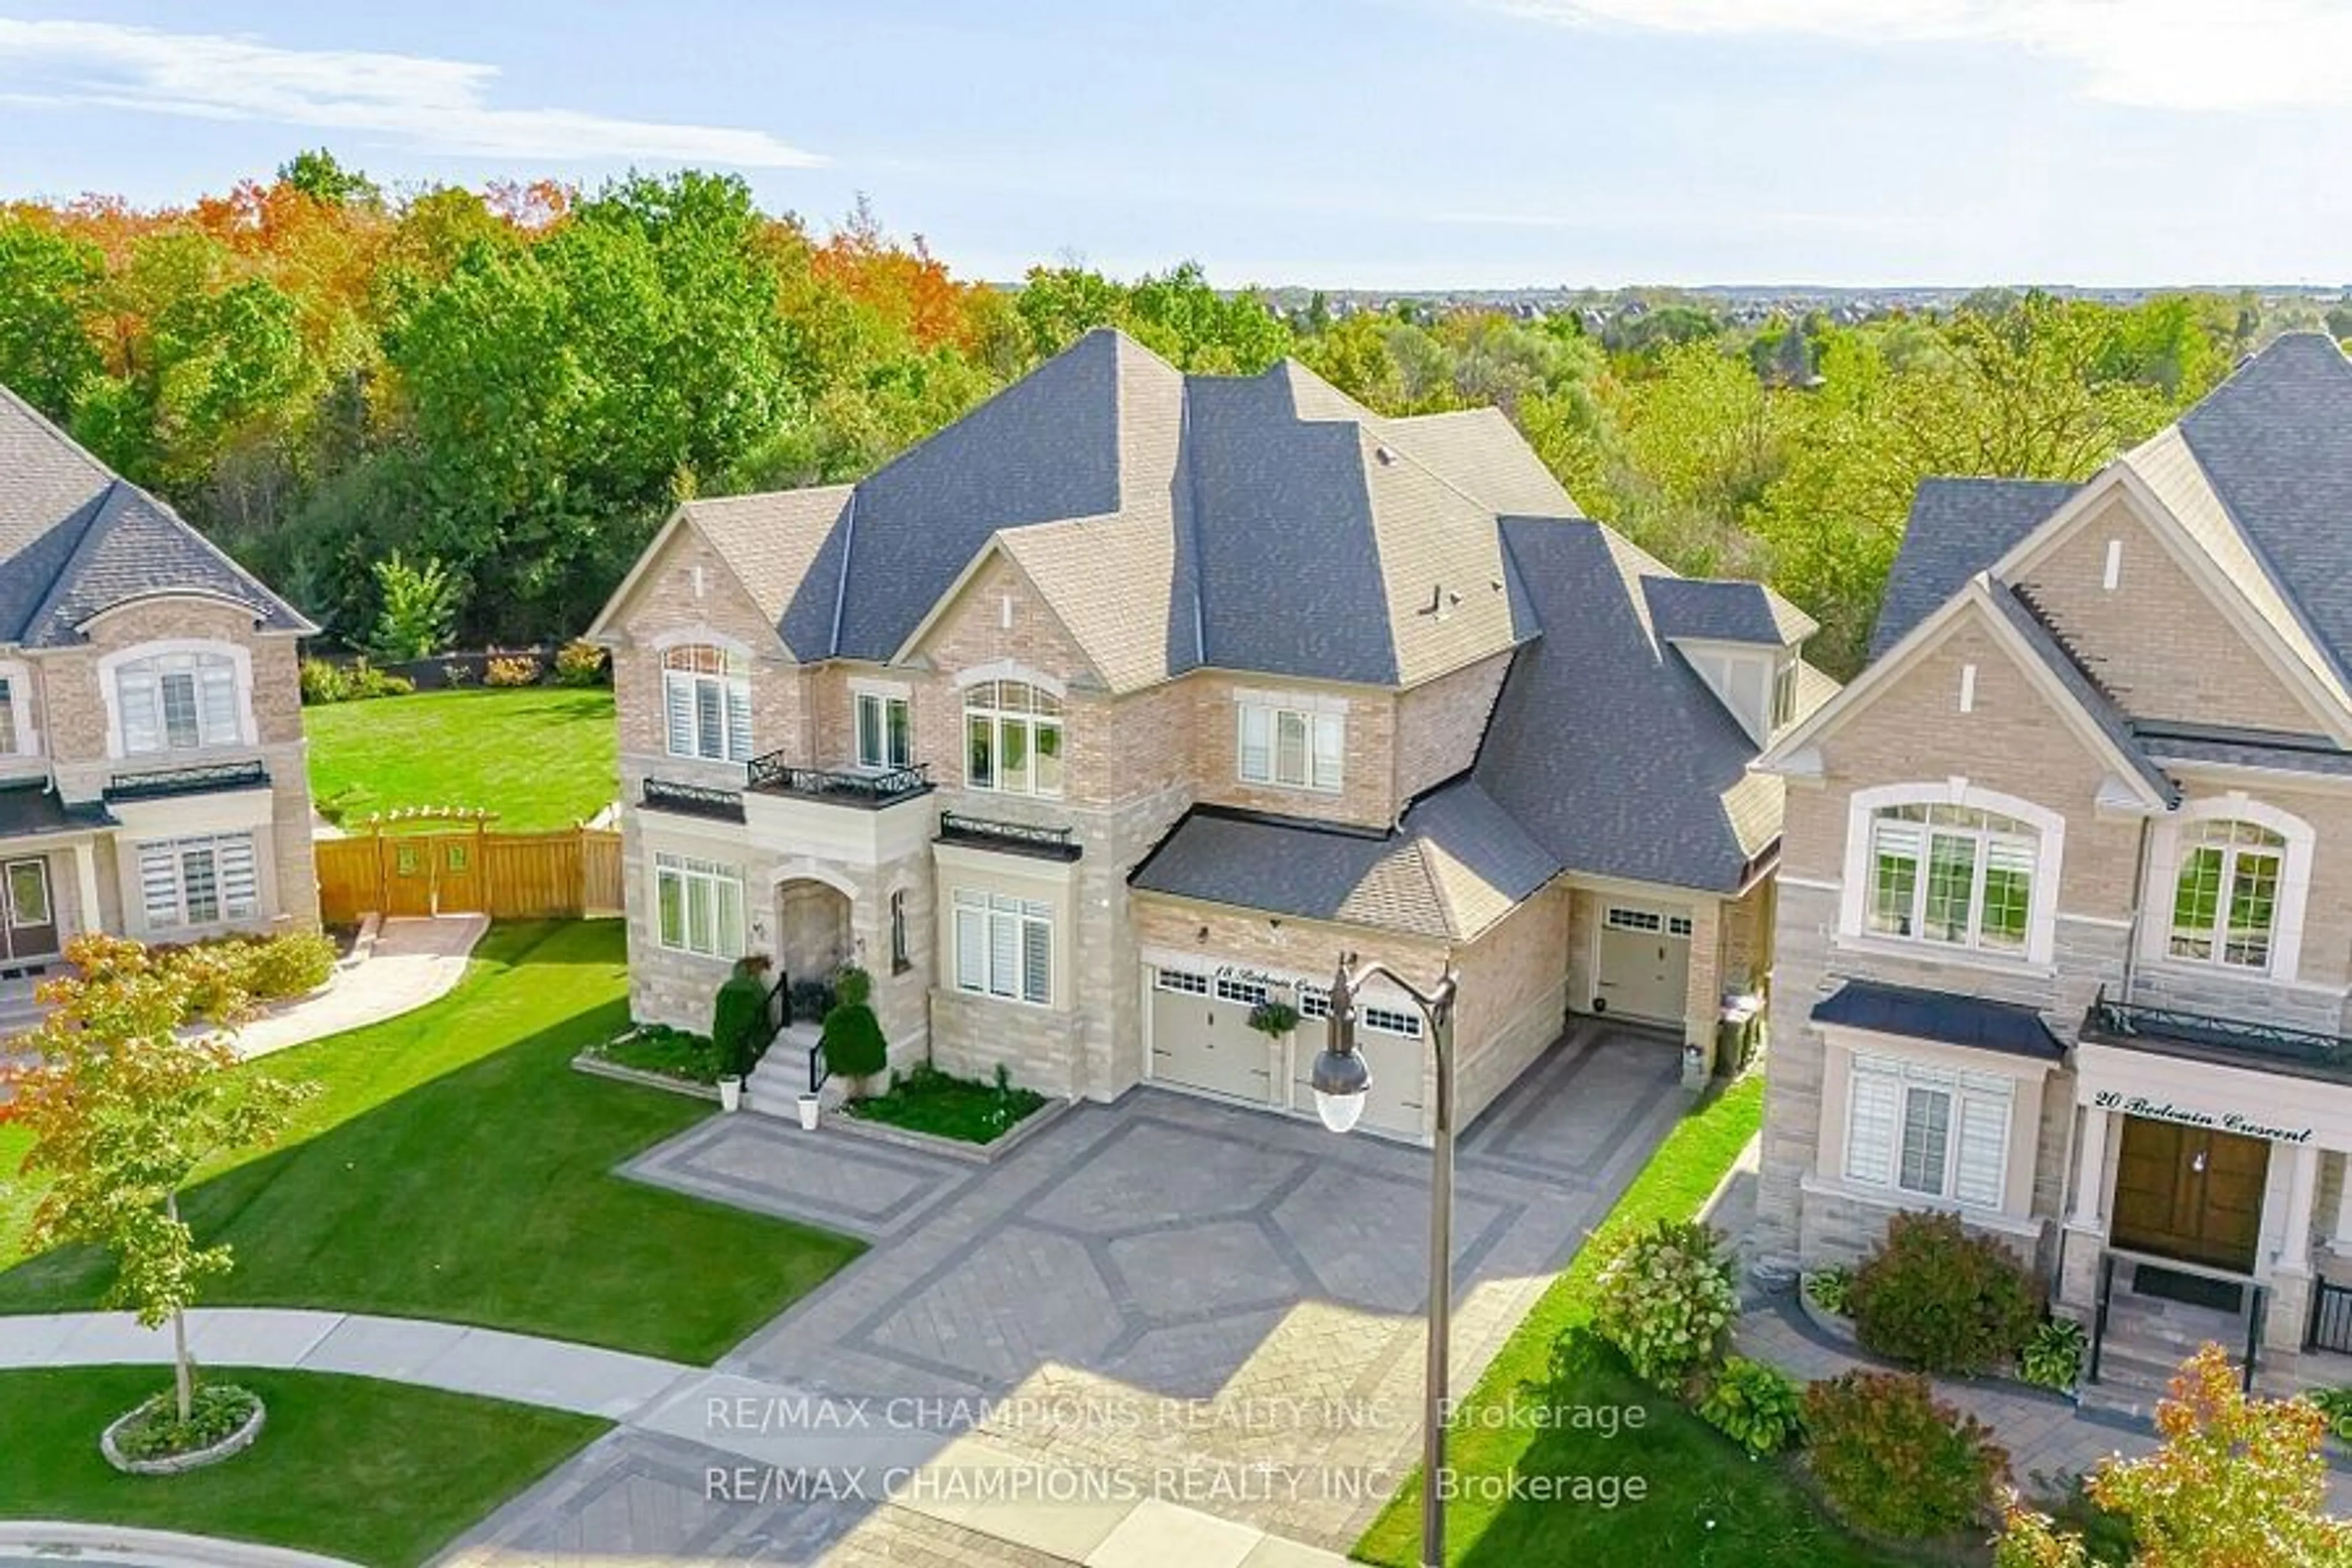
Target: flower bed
<point>665,1052</point>
<point>944,1106</point>
<point>152,1440</point>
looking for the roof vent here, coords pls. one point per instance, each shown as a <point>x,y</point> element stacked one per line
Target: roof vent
<point>1384,455</point>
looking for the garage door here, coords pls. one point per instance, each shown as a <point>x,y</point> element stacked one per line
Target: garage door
<point>1644,963</point>
<point>1389,1040</point>
<point>1201,1037</point>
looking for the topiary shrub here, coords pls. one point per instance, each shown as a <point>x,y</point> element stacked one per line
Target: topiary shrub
<point>1664,1296</point>
<point>1895,1460</point>
<point>1758,1406</point>
<point>739,1020</point>
<point>853,986</point>
<point>1935,1297</point>
<point>853,1042</point>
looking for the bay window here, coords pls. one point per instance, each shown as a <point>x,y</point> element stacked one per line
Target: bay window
<point>707,702</point>
<point>699,907</point>
<point>1013,738</point>
<point>1934,1132</point>
<point>2226,895</point>
<point>178,702</point>
<point>1952,874</point>
<point>199,881</point>
<point>1294,747</point>
<point>886,736</point>
<point>1004,947</point>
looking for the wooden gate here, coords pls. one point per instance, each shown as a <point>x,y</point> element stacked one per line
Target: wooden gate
<point>426,863</point>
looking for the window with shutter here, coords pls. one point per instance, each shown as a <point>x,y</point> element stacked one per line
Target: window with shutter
<point>178,701</point>
<point>1983,1162</point>
<point>1873,1105</point>
<point>1291,746</point>
<point>199,881</point>
<point>1927,1141</point>
<point>1004,951</point>
<point>706,704</point>
<point>971,944</point>
<point>1929,1130</point>
<point>1257,744</point>
<point>1036,962</point>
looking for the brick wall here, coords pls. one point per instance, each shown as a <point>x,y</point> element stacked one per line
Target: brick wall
<point>1367,796</point>
<point>1514,997</point>
<point>2157,641</point>
<point>1440,722</point>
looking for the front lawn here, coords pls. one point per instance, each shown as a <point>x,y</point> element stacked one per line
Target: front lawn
<point>539,756</point>
<point>965,1109</point>
<point>1706,1502</point>
<point>380,1473</point>
<point>456,1167</point>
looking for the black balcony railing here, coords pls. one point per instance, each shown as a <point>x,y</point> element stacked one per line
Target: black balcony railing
<point>771,774</point>
<point>693,800</point>
<point>2129,1023</point>
<point>1019,837</point>
<point>203,779</point>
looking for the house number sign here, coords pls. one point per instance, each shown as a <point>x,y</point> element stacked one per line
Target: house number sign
<point>2189,1116</point>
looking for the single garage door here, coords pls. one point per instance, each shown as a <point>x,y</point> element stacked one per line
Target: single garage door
<point>1644,963</point>
<point>1201,1037</point>
<point>1390,1041</point>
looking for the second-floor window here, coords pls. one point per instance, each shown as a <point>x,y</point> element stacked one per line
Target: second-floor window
<point>886,737</point>
<point>706,704</point>
<point>8,746</point>
<point>1013,738</point>
<point>1952,874</point>
<point>178,702</point>
<point>2225,899</point>
<point>1291,746</point>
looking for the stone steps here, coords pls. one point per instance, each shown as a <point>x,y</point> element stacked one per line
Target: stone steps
<point>776,1085</point>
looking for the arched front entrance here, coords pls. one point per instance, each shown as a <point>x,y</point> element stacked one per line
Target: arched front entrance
<point>813,929</point>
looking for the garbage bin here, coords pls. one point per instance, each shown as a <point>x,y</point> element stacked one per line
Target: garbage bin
<point>1738,1028</point>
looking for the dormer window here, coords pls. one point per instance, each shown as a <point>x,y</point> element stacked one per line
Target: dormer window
<point>1784,693</point>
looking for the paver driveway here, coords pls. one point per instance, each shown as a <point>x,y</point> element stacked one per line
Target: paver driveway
<point>1194,1302</point>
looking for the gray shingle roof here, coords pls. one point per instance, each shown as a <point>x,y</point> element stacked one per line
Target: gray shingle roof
<point>2276,442</point>
<point>29,808</point>
<point>1454,866</point>
<point>1722,610</point>
<point>1958,528</point>
<point>1604,746</point>
<point>1955,1020</point>
<point>75,540</point>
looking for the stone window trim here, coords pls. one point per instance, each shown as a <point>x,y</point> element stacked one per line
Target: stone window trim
<point>697,892</point>
<point>1009,670</point>
<point>238,657</point>
<point>20,734</point>
<point>2027,1077</point>
<point>2166,846</point>
<point>199,881</point>
<point>2041,921</point>
<point>1016,739</point>
<point>1003,947</point>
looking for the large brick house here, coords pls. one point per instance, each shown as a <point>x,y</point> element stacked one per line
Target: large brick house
<point>1134,698</point>
<point>2065,902</point>
<point>151,776</point>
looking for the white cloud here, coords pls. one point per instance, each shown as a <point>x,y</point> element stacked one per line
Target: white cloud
<point>2162,54</point>
<point>435,105</point>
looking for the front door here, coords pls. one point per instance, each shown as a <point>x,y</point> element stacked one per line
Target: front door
<point>2191,1192</point>
<point>1643,968</point>
<point>29,932</point>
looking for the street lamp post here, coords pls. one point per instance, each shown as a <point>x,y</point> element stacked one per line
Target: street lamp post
<point>1341,1079</point>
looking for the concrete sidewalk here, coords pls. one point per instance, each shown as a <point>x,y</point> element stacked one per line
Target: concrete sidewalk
<point>412,963</point>
<point>43,1543</point>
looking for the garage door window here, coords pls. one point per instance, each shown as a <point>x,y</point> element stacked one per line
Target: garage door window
<point>1247,992</point>
<point>1314,1002</point>
<point>1391,1021</point>
<point>1179,981</point>
<point>1649,920</point>
<point>1004,947</point>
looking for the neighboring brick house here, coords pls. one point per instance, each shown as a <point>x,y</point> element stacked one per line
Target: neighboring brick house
<point>1135,698</point>
<point>2065,900</point>
<point>152,777</point>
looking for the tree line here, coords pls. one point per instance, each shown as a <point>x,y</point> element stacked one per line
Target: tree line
<point>514,385</point>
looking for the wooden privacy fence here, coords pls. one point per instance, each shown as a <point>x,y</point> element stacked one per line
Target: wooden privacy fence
<point>447,863</point>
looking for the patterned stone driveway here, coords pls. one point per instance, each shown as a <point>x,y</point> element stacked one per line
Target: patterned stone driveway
<point>1167,1298</point>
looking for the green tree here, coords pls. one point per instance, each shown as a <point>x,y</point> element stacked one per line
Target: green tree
<point>48,285</point>
<point>124,1108</point>
<point>316,174</point>
<point>419,608</point>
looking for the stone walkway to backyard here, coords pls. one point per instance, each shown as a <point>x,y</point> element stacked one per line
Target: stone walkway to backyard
<point>413,961</point>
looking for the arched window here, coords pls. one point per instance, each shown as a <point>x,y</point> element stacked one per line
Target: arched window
<point>1952,874</point>
<point>707,702</point>
<point>178,701</point>
<point>1013,738</point>
<point>2226,895</point>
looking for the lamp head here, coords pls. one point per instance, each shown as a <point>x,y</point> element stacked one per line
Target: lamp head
<point>1339,1077</point>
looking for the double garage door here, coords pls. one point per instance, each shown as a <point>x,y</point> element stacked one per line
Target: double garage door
<point>1642,966</point>
<point>1202,1040</point>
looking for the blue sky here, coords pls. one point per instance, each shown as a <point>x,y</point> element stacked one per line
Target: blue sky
<point>1403,144</point>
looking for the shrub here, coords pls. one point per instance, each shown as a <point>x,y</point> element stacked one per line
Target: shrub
<point>512,669</point>
<point>738,1020</point>
<point>291,964</point>
<point>156,1432</point>
<point>853,986</point>
<point>323,682</point>
<point>853,1042</point>
<point>1274,1019</point>
<point>1758,1406</point>
<point>365,680</point>
<point>1664,1296</point>
<point>2335,1404</point>
<point>1895,1460</point>
<point>580,664</point>
<point>457,672</point>
<point>1939,1299</point>
<point>2052,1356</point>
<point>1832,1289</point>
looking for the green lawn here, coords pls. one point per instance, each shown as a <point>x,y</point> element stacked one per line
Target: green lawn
<point>456,1167</point>
<point>1707,1503</point>
<point>379,1473</point>
<point>539,756</point>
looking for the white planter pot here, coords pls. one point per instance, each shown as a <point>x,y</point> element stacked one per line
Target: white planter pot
<point>730,1093</point>
<point>808,1109</point>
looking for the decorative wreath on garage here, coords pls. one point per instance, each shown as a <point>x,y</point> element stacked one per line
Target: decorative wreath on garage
<point>1273,1017</point>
